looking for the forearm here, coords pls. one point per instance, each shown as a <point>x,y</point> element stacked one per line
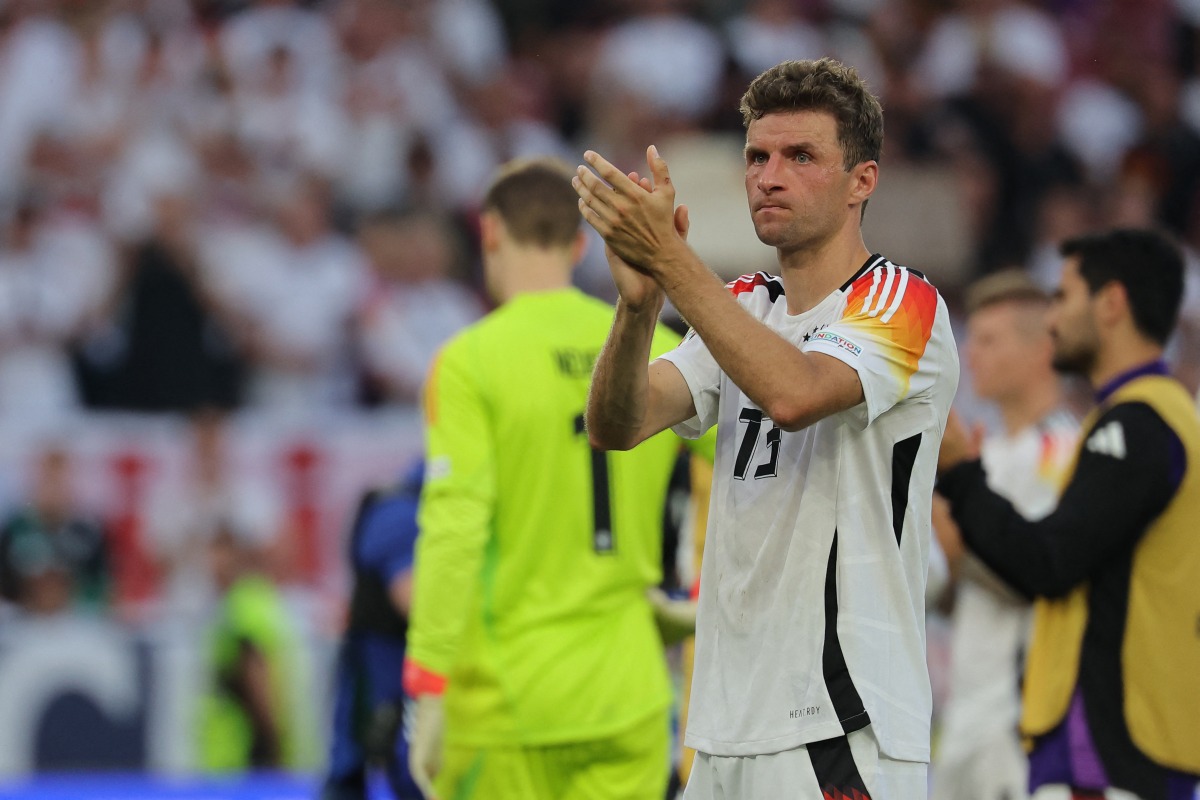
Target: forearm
<point>986,522</point>
<point>1103,512</point>
<point>770,370</point>
<point>619,397</point>
<point>445,582</point>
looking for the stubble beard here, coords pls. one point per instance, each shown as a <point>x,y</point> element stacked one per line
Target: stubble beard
<point>1076,361</point>
<point>791,237</point>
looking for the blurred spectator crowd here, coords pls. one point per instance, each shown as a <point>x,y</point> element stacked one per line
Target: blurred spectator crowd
<point>270,203</point>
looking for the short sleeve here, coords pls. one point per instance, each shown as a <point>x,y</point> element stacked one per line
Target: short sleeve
<point>882,334</point>
<point>703,377</point>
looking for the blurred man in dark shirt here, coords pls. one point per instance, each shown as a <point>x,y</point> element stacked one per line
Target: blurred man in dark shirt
<point>1112,679</point>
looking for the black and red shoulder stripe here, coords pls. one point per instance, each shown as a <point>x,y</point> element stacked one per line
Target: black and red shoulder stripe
<point>747,283</point>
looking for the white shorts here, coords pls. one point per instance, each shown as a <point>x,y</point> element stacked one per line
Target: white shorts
<point>848,767</point>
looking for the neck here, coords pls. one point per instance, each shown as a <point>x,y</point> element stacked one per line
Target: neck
<point>1031,406</point>
<point>1134,351</point>
<point>529,270</point>
<point>810,274</point>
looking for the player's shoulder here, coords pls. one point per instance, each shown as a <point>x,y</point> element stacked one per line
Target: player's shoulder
<point>456,347</point>
<point>1130,414</point>
<point>460,355</point>
<point>888,279</point>
<point>498,325</point>
<point>756,284</point>
<point>1057,437</point>
<point>1059,425</point>
<point>882,288</point>
<point>1133,431</point>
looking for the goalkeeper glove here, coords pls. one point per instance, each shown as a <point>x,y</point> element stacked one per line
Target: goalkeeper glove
<point>676,618</point>
<point>425,746</point>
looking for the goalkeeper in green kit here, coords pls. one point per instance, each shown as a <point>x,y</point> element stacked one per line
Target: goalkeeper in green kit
<point>534,654</point>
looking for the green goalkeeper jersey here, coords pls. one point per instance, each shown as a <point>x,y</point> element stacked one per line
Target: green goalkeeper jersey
<point>535,551</point>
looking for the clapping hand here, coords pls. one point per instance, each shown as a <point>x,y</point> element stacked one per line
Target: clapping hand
<point>959,444</point>
<point>637,218</point>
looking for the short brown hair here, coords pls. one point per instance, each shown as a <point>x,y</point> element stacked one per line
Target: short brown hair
<point>822,85</point>
<point>1006,286</point>
<point>536,201</point>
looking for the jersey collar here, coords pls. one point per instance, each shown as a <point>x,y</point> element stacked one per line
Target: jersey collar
<point>874,260</point>
<point>1157,367</point>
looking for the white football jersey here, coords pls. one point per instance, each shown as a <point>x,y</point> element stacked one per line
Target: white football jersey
<point>811,616</point>
<point>991,621</point>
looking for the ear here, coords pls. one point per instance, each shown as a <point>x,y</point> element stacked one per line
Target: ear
<point>1112,305</point>
<point>579,247</point>
<point>1045,347</point>
<point>491,231</point>
<point>864,178</point>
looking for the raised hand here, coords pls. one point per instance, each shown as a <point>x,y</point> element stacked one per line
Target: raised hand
<point>959,444</point>
<point>637,288</point>
<point>636,218</point>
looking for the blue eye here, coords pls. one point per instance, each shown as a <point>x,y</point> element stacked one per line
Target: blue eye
<point>803,158</point>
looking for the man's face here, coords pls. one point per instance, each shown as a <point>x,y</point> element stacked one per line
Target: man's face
<point>1073,322</point>
<point>796,184</point>
<point>1006,346</point>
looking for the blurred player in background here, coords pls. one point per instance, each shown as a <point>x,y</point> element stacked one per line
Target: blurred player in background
<point>1010,356</point>
<point>831,385</point>
<point>368,717</point>
<point>530,608</point>
<point>249,718</point>
<point>1112,681</point>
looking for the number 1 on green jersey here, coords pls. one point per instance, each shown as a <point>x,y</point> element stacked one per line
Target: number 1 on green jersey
<point>602,532</point>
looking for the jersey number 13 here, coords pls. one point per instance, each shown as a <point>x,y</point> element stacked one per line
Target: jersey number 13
<point>753,420</point>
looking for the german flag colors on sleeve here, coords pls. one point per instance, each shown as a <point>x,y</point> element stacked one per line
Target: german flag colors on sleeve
<point>883,333</point>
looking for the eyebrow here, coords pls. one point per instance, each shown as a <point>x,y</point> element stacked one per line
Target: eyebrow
<point>787,149</point>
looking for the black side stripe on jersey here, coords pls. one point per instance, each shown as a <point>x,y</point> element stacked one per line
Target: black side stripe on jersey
<point>837,775</point>
<point>847,703</point>
<point>904,455</point>
<point>871,263</point>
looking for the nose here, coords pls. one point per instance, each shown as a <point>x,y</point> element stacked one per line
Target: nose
<point>1053,315</point>
<point>769,176</point>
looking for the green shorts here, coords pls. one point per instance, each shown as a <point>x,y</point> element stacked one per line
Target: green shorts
<point>631,765</point>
